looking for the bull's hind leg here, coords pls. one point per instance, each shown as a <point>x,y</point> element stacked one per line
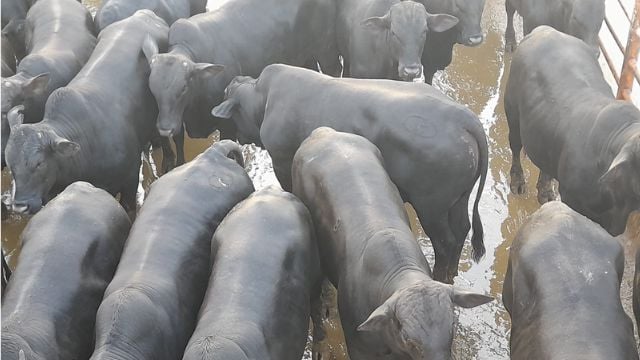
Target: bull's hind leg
<point>546,188</point>
<point>518,185</point>
<point>510,33</point>
<point>129,193</point>
<point>329,61</point>
<point>444,245</point>
<point>460,226</point>
<point>321,308</point>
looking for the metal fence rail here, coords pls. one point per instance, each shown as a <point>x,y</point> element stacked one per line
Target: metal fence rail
<point>625,73</point>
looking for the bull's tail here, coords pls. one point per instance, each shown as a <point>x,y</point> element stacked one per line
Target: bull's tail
<point>477,239</point>
<point>230,149</point>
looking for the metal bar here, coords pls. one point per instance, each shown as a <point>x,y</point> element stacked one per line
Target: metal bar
<point>612,67</point>
<point>627,75</point>
<point>624,9</point>
<point>614,35</point>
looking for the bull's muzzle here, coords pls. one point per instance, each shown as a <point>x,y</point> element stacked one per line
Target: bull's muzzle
<point>408,73</point>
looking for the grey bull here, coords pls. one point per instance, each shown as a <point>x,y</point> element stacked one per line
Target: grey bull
<point>579,18</point>
<point>390,307</point>
<point>636,290</point>
<point>60,39</point>
<point>77,237</point>
<point>265,273</point>
<point>13,13</point>
<point>111,11</point>
<point>385,38</point>
<point>150,308</point>
<point>434,148</point>
<point>8,69</point>
<point>13,10</point>
<point>244,36</point>
<point>438,48</point>
<point>561,109</point>
<point>562,290</point>
<point>83,135</point>
<point>8,57</point>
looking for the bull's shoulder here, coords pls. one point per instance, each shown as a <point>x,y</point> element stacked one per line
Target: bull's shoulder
<point>64,100</point>
<point>184,31</point>
<point>558,235</point>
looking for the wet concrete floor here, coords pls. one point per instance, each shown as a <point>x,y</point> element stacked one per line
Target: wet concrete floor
<point>476,78</point>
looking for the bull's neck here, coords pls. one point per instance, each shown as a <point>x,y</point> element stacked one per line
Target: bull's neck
<point>71,130</point>
<point>113,352</point>
<point>182,50</point>
<point>618,140</point>
<point>402,278</point>
<point>395,261</point>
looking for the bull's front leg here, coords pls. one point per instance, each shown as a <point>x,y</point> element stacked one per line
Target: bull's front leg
<point>510,33</point>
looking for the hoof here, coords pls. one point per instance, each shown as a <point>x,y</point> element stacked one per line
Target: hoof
<point>518,185</point>
<point>546,196</point>
<point>444,276</point>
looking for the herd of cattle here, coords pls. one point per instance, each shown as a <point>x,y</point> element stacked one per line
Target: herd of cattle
<point>210,269</point>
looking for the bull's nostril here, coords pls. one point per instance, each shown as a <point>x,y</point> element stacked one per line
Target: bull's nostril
<point>165,132</point>
<point>20,208</point>
<point>412,72</point>
<point>476,40</point>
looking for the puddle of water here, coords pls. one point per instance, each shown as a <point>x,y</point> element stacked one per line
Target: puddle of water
<point>477,79</point>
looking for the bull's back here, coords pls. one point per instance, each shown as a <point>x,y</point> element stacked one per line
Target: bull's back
<point>555,90</point>
<point>118,73</point>
<point>164,268</point>
<point>242,33</point>
<point>266,240</point>
<point>117,60</point>
<point>56,25</point>
<point>387,113</point>
<point>371,203</point>
<point>565,272</point>
<point>78,236</point>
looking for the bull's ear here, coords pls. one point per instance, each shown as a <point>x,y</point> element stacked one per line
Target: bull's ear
<point>37,84</point>
<point>618,162</point>
<point>15,117</point>
<point>64,147</point>
<point>468,299</point>
<point>14,28</point>
<point>150,48</point>
<point>379,318</point>
<point>224,110</point>
<point>383,316</point>
<point>441,22</point>
<point>204,69</point>
<point>377,22</point>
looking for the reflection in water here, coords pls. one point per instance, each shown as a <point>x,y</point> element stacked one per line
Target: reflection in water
<point>477,79</point>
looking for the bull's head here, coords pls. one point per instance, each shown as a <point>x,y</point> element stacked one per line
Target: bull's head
<point>418,321</point>
<point>245,106</point>
<point>34,153</point>
<point>407,24</point>
<point>173,81</point>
